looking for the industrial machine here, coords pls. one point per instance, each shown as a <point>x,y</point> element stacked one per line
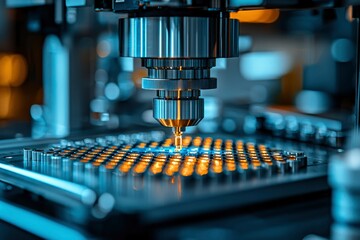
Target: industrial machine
<point>96,165</point>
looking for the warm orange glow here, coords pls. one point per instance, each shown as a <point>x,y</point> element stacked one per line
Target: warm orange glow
<point>13,70</point>
<point>349,14</point>
<point>125,167</point>
<point>172,168</point>
<point>141,167</point>
<point>5,99</point>
<point>110,166</point>
<point>187,141</point>
<point>202,169</point>
<point>256,16</point>
<point>157,167</point>
<point>188,167</point>
<point>197,142</point>
<point>187,171</point>
<point>217,166</point>
<point>141,145</point>
<point>231,166</point>
<point>244,166</point>
<point>256,163</point>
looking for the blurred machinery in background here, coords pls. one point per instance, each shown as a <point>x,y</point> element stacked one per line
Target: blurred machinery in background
<point>275,71</point>
<point>343,170</point>
<point>85,156</point>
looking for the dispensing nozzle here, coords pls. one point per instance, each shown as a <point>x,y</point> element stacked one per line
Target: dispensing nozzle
<point>178,131</point>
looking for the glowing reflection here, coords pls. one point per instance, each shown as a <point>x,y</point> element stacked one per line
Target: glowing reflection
<point>172,168</point>
<point>125,167</point>
<point>157,167</point>
<point>217,166</point>
<point>188,166</point>
<point>202,169</point>
<point>141,167</point>
<point>231,166</point>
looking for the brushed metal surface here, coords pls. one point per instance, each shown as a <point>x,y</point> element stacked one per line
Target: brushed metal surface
<point>179,84</point>
<point>178,37</point>
<point>184,112</point>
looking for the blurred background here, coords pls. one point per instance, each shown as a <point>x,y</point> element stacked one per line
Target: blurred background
<point>294,79</point>
<point>60,74</point>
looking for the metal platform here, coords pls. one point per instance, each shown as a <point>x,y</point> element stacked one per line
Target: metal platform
<point>140,180</point>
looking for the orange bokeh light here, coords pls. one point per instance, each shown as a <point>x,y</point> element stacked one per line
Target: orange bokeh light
<point>5,100</point>
<point>13,70</point>
<point>256,16</point>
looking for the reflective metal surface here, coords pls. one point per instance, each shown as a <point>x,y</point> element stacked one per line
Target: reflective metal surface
<point>55,189</point>
<point>180,112</point>
<point>179,52</point>
<point>178,74</point>
<point>110,160</point>
<point>178,82</point>
<point>127,183</point>
<point>142,177</point>
<point>178,37</point>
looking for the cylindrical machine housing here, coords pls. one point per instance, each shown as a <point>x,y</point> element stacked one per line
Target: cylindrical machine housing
<point>178,37</point>
<point>179,47</point>
<point>178,112</point>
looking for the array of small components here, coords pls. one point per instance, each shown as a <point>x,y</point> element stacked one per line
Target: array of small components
<point>199,158</point>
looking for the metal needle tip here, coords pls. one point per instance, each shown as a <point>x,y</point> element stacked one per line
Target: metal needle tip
<point>178,139</point>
